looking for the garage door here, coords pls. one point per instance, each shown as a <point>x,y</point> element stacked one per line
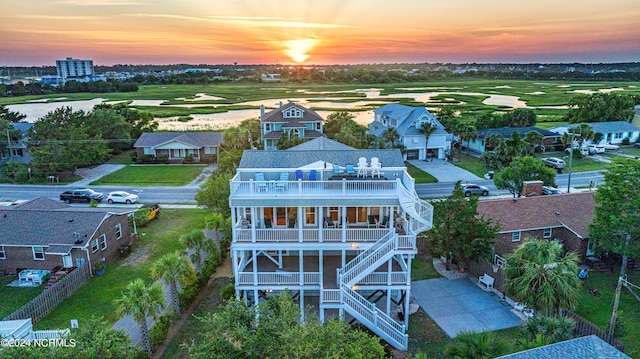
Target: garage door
<point>413,154</point>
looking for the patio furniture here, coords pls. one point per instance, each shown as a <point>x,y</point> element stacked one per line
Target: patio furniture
<point>330,222</point>
<point>337,170</point>
<point>261,183</point>
<point>385,221</point>
<point>372,221</point>
<point>362,167</point>
<point>283,182</point>
<point>486,280</point>
<point>313,175</point>
<point>36,276</point>
<point>292,223</point>
<point>267,223</point>
<point>376,166</point>
<point>350,170</point>
<point>299,175</point>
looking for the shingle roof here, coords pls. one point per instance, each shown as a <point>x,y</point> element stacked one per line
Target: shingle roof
<point>605,127</point>
<point>406,115</point>
<point>579,348</point>
<point>296,159</point>
<point>321,144</point>
<point>22,126</point>
<point>276,116</point>
<point>33,224</point>
<point>197,139</point>
<point>507,131</point>
<point>571,210</point>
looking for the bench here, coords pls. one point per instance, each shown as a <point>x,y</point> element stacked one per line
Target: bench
<point>486,280</point>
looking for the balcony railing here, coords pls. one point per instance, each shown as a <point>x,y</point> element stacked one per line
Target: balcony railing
<point>279,278</point>
<point>353,187</point>
<point>329,235</point>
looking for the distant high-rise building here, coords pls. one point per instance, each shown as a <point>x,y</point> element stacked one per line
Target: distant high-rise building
<point>74,69</point>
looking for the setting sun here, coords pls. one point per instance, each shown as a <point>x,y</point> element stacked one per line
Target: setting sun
<point>298,50</point>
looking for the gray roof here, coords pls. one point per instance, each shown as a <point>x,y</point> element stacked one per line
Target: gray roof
<point>274,135</point>
<point>197,139</point>
<point>579,348</point>
<point>507,131</point>
<point>606,127</point>
<point>321,144</point>
<point>406,116</point>
<point>296,159</point>
<point>33,223</point>
<point>22,126</point>
<point>276,116</point>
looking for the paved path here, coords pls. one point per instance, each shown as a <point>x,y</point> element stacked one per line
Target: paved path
<point>445,171</point>
<point>460,305</point>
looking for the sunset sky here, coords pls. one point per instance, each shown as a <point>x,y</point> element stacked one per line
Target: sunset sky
<point>37,32</point>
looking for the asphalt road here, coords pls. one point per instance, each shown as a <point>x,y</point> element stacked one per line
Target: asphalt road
<point>186,195</point>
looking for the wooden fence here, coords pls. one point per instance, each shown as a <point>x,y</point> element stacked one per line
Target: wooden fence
<point>585,327</point>
<point>480,268</point>
<point>50,298</point>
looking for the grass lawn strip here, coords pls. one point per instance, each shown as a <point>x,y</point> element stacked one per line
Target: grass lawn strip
<point>15,297</point>
<point>96,297</point>
<point>419,175</point>
<point>152,175</point>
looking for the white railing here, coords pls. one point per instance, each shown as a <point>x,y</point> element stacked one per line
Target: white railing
<point>330,296</point>
<point>382,278</point>
<point>279,278</point>
<point>420,211</point>
<point>367,258</point>
<point>407,242</point>
<point>284,235</point>
<point>363,310</point>
<point>49,334</point>
<point>344,188</point>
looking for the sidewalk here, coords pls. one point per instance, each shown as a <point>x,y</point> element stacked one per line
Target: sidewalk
<point>445,171</point>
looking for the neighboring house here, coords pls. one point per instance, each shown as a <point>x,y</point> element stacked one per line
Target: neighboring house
<point>291,120</point>
<point>321,144</point>
<point>613,132</point>
<point>18,151</point>
<point>551,141</point>
<point>44,234</point>
<point>578,348</point>
<point>343,243</point>
<point>175,147</point>
<point>563,217</point>
<point>407,121</point>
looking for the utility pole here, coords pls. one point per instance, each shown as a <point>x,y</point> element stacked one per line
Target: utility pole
<point>573,135</point>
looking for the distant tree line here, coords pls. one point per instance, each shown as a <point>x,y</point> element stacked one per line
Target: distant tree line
<point>37,89</point>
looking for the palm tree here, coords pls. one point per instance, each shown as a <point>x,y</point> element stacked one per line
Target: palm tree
<point>533,139</point>
<point>492,141</point>
<point>555,329</point>
<point>173,268</point>
<point>391,135</point>
<point>539,275</point>
<point>427,128</point>
<point>215,221</point>
<point>198,242</point>
<point>467,133</point>
<point>474,345</point>
<point>141,301</point>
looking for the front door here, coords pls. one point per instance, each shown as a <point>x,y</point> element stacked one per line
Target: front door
<point>67,261</point>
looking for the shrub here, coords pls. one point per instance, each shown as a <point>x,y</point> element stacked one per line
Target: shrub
<point>185,118</point>
<point>227,292</point>
<point>158,333</point>
<point>625,141</point>
<point>162,159</point>
<point>140,216</point>
<point>147,159</point>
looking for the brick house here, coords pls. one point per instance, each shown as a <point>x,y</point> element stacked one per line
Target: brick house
<point>44,234</point>
<point>563,217</point>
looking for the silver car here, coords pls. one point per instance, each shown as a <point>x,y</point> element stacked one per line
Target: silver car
<point>472,188</point>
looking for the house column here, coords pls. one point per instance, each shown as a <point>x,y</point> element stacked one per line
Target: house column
<point>301,266</point>
<point>302,304</point>
<point>254,224</point>
<point>320,217</point>
<point>343,220</point>
<point>406,307</point>
<point>233,223</point>
<point>255,267</point>
<point>301,221</point>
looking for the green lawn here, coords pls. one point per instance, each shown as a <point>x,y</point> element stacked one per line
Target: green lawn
<point>422,268</point>
<point>211,302</point>
<point>472,164</point>
<point>419,175</point>
<point>96,297</point>
<point>15,297</point>
<point>597,309</point>
<point>152,175</point>
<point>577,164</point>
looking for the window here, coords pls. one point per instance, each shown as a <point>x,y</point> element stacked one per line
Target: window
<point>618,135</point>
<point>94,245</point>
<point>318,126</point>
<point>292,113</point>
<point>547,233</point>
<point>103,242</point>
<point>515,237</point>
<point>267,127</point>
<point>394,122</point>
<point>2,254</point>
<point>118,231</point>
<point>38,253</point>
<point>310,215</point>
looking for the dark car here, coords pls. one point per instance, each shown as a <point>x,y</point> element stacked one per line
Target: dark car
<point>81,195</point>
<point>550,190</point>
<point>471,188</point>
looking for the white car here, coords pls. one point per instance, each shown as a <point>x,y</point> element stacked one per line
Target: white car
<point>122,197</point>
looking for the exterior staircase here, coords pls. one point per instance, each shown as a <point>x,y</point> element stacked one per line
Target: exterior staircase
<point>420,219</point>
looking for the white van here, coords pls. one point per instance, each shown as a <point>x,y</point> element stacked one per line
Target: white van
<point>595,149</point>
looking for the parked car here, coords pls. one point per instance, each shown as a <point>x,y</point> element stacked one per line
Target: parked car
<point>122,197</point>
<point>81,195</point>
<point>610,147</point>
<point>636,145</point>
<point>595,149</point>
<point>554,162</point>
<point>471,188</point>
<point>550,190</point>
<point>583,151</point>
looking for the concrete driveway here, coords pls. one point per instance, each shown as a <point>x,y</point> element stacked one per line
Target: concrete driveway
<point>460,305</point>
<point>445,171</point>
